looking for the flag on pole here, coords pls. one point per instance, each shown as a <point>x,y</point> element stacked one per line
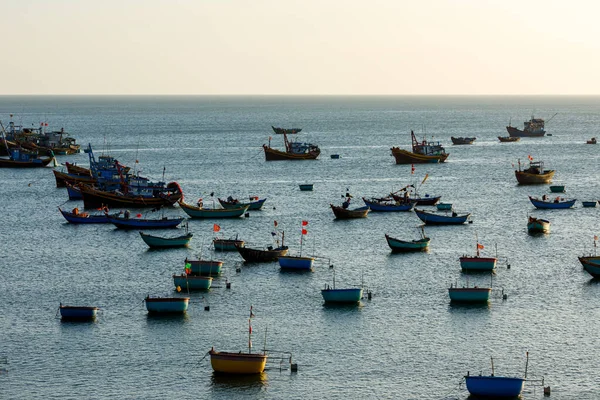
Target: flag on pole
<point>304,223</point>
<point>216,228</point>
<point>480,246</point>
<point>304,232</point>
<point>412,169</point>
<point>251,313</point>
<point>188,268</point>
<point>530,158</point>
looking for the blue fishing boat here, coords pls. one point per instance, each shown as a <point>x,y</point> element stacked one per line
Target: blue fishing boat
<point>497,387</point>
<point>403,246</point>
<point>254,204</point>
<point>389,205</point>
<point>469,294</point>
<point>591,267</point>
<point>192,282</point>
<point>444,206</point>
<point>538,225</point>
<point>331,295</point>
<point>204,267</point>
<point>432,218</point>
<point>589,203</point>
<point>77,313</point>
<point>167,305</point>
<point>557,203</point>
<point>166,242</point>
<point>125,222</point>
<point>202,212</point>
<point>306,187</point>
<point>298,263</point>
<point>76,217</point>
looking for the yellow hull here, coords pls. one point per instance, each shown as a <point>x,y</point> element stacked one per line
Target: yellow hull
<point>237,363</point>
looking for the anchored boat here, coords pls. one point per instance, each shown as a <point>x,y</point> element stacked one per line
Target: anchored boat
<point>422,152</point>
<point>77,313</point>
<point>538,225</point>
<point>535,174</point>
<point>478,263</point>
<point>167,305</point>
<point>293,151</point>
<point>532,128</point>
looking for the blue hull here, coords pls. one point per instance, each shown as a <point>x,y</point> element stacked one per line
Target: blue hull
<point>296,263</point>
<point>469,295</point>
<point>375,206</point>
<point>90,219</point>
<point>205,267</point>
<point>438,219</point>
<point>342,296</point>
<point>73,193</point>
<point>252,205</point>
<point>227,244</point>
<point>74,313</point>
<point>548,205</point>
<point>402,246</point>
<point>160,242</point>
<point>167,305</point>
<point>537,225</point>
<point>478,263</point>
<point>191,282</point>
<point>306,187</point>
<point>591,267</point>
<point>197,212</point>
<point>494,386</point>
<point>133,223</point>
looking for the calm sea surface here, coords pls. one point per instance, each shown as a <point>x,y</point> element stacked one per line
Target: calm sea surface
<point>408,342</point>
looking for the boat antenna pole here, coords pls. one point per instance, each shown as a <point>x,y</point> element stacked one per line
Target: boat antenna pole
<point>492,358</point>
<point>526,363</point>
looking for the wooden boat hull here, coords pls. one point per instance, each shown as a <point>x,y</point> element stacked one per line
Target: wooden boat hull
<point>260,255</point>
<point>344,213</point>
<point>342,296</point>
<point>469,295</point>
<point>77,170</point>
<point>139,223</point>
<point>462,140</point>
<point>237,363</point>
<point>75,313</point>
<point>167,305</point>
<point>590,260</point>
<point>548,205</point>
<point>307,187</point>
<point>78,219</point>
<point>252,205</point>
<point>162,243</point>
<point>514,132</point>
<point>205,267</point>
<point>272,154</point>
<point>430,218</point>
<point>36,163</point>
<point>538,225</point>
<point>494,386</point>
<point>402,246</point>
<point>192,282</point>
<point>197,212</point>
<point>376,206</point>
<point>227,244</point>
<point>525,178</point>
<point>478,263</point>
<point>408,157</point>
<point>61,178</point>
<point>419,201</point>
<point>93,198</point>
<point>591,267</point>
<point>296,263</point>
<point>509,138</point>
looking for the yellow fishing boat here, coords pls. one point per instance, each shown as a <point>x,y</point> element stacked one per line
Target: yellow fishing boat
<point>237,363</point>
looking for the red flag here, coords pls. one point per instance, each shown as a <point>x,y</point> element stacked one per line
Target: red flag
<point>480,246</point>
<point>530,158</point>
<point>216,228</point>
<point>249,327</point>
<point>304,223</point>
<point>412,169</point>
<point>275,223</point>
<point>139,215</point>
<point>304,232</point>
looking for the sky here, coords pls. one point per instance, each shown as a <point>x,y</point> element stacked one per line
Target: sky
<point>304,47</point>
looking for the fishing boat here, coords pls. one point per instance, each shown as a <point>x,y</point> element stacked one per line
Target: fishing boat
<point>76,217</point>
<point>125,222</point>
<point>388,204</point>
<point>411,193</point>
<point>134,197</point>
<point>293,151</point>
<point>306,187</point>
<point>203,267</point>
<point>331,295</point>
<point>505,139</point>
<point>254,204</point>
<point>203,212</point>
<point>497,387</point>
<point>78,313</point>
<point>167,305</point>
<point>73,192</point>
<point>462,140</point>
<point>166,242</point>
<point>192,282</point>
<point>589,203</point>
<point>591,267</point>
<point>534,174</point>
<point>221,244</point>
<point>267,254</point>
<point>75,169</point>
<point>532,128</point>
<point>557,203</point>
<point>21,158</point>
<point>444,206</point>
<point>239,363</point>
<point>281,131</point>
<point>62,178</point>
<point>591,141</point>
<point>422,152</point>
<point>477,263</point>
<point>433,218</point>
<point>466,294</point>
<point>403,246</point>
<point>538,225</point>
<point>557,189</point>
<point>346,213</point>
<point>297,262</point>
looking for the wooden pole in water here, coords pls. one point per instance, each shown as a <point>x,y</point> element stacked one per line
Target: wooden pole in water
<point>526,363</point>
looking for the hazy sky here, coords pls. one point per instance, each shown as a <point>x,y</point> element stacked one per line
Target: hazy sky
<point>300,47</point>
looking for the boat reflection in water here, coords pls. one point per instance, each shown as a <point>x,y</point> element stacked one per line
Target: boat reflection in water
<point>247,384</point>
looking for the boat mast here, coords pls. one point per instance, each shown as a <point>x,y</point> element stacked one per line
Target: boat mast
<point>492,358</point>
<point>527,360</point>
